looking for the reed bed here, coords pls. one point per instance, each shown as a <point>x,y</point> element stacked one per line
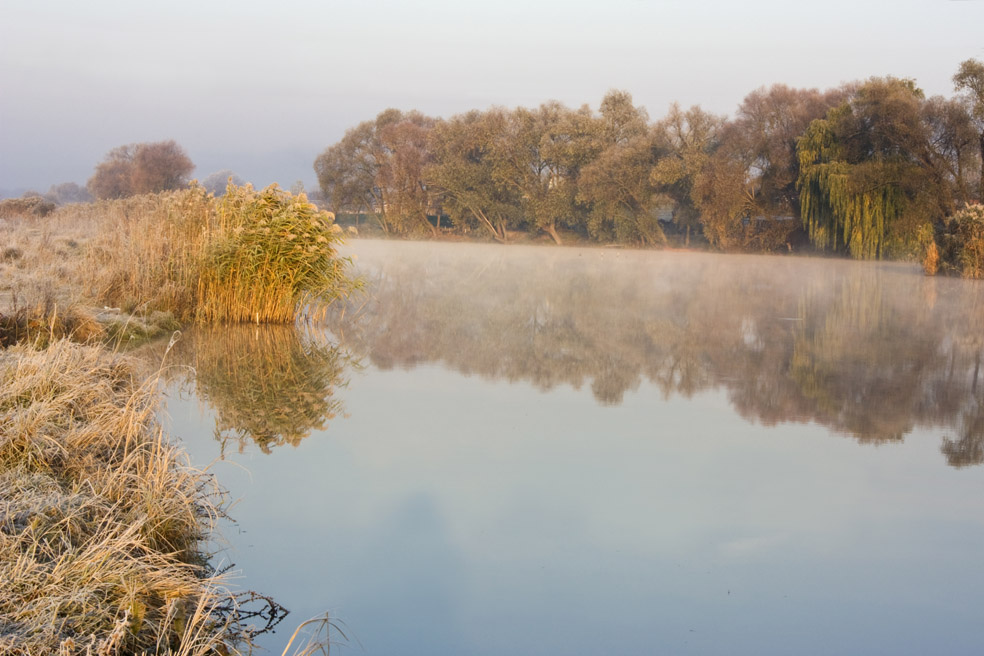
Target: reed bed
<point>268,255</point>
<point>138,266</point>
<point>249,256</point>
<point>102,521</point>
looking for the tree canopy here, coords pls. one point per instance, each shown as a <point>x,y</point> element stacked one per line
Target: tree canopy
<point>141,168</point>
<point>862,169</point>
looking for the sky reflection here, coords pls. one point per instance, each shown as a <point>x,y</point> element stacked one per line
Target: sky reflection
<point>463,504</point>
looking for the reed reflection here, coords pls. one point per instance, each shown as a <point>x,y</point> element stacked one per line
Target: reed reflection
<point>267,385</point>
<point>871,351</point>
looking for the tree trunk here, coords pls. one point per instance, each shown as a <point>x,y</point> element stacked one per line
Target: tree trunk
<point>980,190</point>
<point>551,230</point>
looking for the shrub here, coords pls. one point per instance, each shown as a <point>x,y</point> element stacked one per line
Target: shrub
<point>28,206</point>
<point>958,247</point>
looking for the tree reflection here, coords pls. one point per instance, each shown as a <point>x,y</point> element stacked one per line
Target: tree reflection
<point>269,384</point>
<point>871,351</point>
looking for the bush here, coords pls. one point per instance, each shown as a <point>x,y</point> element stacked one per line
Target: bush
<point>29,206</point>
<point>958,246</point>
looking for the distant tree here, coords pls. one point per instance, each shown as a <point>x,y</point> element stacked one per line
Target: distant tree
<point>140,169</point>
<point>869,179</point>
<point>540,156</point>
<point>112,178</point>
<point>216,183</point>
<point>747,191</point>
<point>378,168</point>
<point>348,171</point>
<point>953,143</point>
<point>970,79</point>
<point>463,173</point>
<point>401,172</point>
<point>617,183</point>
<point>685,141</point>
<point>68,192</point>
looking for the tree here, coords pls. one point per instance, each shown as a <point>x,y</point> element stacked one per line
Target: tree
<point>869,179</point>
<point>540,156</point>
<point>617,183</point>
<point>401,172</point>
<point>747,190</point>
<point>112,176</point>
<point>685,141</point>
<point>463,173</point>
<point>216,183</point>
<point>970,79</point>
<point>953,138</point>
<point>68,192</point>
<point>142,168</point>
<point>377,168</point>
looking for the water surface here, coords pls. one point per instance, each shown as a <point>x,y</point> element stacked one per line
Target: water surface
<point>580,451</point>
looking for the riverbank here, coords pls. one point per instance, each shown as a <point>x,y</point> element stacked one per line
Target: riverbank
<point>104,525</point>
<point>103,522</point>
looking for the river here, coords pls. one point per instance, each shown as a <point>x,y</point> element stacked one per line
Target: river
<point>541,450</point>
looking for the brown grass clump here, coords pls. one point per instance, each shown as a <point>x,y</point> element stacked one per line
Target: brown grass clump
<point>101,519</point>
<point>25,206</point>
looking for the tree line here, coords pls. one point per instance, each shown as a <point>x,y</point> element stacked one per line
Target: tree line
<point>866,169</point>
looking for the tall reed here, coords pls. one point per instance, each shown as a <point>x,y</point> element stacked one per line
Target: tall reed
<point>268,255</point>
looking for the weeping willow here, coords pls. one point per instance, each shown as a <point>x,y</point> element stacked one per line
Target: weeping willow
<point>843,205</point>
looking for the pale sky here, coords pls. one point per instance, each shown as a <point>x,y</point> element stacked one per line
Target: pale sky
<point>263,88</point>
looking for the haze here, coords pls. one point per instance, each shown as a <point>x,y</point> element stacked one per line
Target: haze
<point>262,89</point>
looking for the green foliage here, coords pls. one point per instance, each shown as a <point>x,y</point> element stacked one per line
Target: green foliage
<point>272,255</point>
<point>867,180</point>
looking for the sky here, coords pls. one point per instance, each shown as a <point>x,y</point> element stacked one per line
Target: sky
<point>261,88</point>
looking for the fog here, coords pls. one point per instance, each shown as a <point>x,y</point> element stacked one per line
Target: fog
<point>869,350</point>
<point>262,89</point>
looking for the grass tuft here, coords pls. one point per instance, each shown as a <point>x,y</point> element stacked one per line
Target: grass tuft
<point>102,521</point>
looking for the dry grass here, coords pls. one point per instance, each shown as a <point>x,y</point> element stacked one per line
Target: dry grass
<point>251,256</point>
<point>101,519</point>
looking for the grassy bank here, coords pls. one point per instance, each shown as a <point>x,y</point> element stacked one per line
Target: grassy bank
<point>102,521</point>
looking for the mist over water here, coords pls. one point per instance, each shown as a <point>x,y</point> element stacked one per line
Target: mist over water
<point>869,350</point>
<point>562,450</point>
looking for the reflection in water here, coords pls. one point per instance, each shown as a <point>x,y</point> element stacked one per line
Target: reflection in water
<point>870,350</point>
<point>271,385</point>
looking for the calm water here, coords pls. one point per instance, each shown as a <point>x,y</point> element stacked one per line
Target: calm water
<point>589,451</point>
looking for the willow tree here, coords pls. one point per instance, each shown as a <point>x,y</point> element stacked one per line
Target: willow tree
<point>867,180</point>
<point>463,173</point>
